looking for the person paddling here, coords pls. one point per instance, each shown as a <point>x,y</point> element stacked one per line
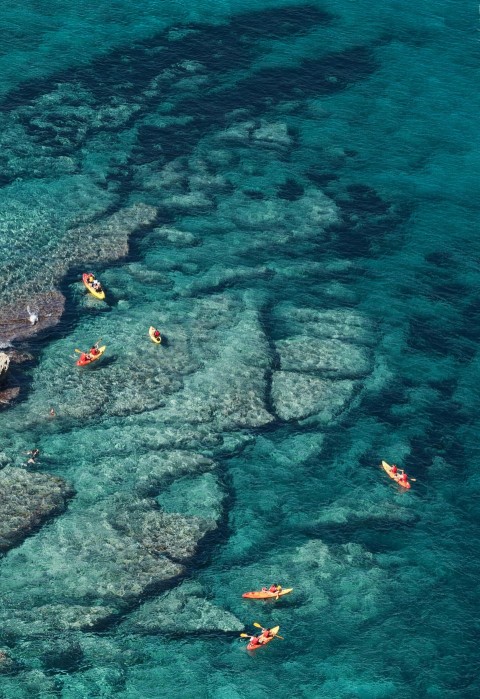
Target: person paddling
<point>266,634</point>
<point>255,640</point>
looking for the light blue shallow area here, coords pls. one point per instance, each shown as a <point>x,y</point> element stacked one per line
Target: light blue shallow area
<point>289,193</point>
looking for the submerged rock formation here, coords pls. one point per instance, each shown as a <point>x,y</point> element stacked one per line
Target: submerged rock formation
<point>182,610</point>
<point>322,363</point>
<point>26,501</point>
<point>52,618</point>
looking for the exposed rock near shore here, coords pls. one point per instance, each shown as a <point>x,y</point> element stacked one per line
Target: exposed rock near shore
<point>27,500</point>
<point>14,318</point>
<point>9,394</point>
<point>4,365</point>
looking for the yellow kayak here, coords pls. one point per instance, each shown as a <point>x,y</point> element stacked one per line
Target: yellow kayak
<point>98,293</point>
<point>152,332</point>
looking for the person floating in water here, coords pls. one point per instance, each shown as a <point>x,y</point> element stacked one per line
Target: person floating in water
<point>33,455</point>
<point>52,412</point>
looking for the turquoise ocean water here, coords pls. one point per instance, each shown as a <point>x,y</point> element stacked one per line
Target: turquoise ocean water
<point>297,185</point>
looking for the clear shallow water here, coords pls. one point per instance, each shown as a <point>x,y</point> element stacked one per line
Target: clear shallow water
<point>313,265</point>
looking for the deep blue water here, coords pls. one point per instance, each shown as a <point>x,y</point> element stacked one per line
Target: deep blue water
<point>307,178</point>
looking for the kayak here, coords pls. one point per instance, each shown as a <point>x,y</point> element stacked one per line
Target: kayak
<point>83,361</point>
<point>262,594</point>
<point>98,294</point>
<point>386,467</point>
<point>264,642</point>
<point>157,340</point>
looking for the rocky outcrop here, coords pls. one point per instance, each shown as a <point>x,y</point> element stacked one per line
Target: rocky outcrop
<point>26,501</point>
<point>4,365</point>
<point>9,394</point>
<point>14,318</point>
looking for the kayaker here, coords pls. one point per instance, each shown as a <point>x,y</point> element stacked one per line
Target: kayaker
<point>90,279</point>
<point>156,334</point>
<point>93,351</point>
<point>275,588</point>
<point>394,469</point>
<point>266,633</point>
<point>403,477</point>
<point>96,285</point>
<point>255,640</point>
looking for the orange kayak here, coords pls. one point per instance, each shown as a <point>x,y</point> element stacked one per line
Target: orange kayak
<point>83,361</point>
<point>264,641</point>
<point>386,467</point>
<point>265,594</point>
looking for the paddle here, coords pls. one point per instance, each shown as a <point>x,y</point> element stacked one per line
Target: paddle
<point>246,635</point>
<point>96,343</point>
